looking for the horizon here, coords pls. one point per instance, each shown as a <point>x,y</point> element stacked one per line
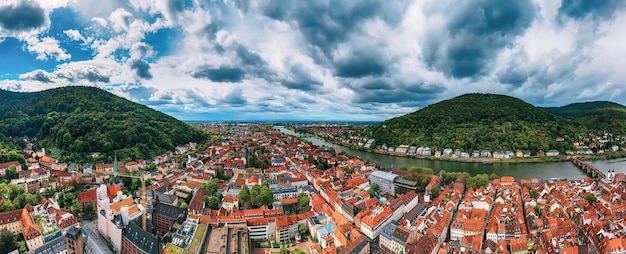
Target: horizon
<point>276,61</point>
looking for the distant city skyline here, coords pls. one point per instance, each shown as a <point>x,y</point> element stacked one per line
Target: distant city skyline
<point>366,60</point>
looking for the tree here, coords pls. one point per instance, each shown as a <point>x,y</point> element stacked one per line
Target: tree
<point>11,173</point>
<point>321,166</point>
<point>347,169</point>
<point>303,200</point>
<point>373,189</point>
<point>221,174</point>
<point>302,229</point>
<point>591,197</point>
<point>77,209</point>
<point>206,201</point>
<point>537,209</point>
<point>493,176</point>
<point>211,186</point>
<point>533,193</point>
<point>7,206</point>
<point>213,203</point>
<point>434,191</point>
<point>89,210</point>
<point>244,195</point>
<point>135,183</point>
<point>267,196</point>
<point>151,167</point>
<point>189,197</point>
<point>255,196</point>
<point>7,241</point>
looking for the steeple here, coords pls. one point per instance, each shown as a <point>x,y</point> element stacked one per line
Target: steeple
<point>115,168</point>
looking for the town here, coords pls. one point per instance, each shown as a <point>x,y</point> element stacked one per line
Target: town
<point>353,136</point>
<point>257,190</point>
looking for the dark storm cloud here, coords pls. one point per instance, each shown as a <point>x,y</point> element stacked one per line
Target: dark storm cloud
<point>558,69</point>
<point>361,63</point>
<point>598,9</point>
<point>40,76</point>
<point>142,69</point>
<point>513,77</point>
<point>138,91</point>
<point>94,77</point>
<point>475,34</point>
<point>221,74</point>
<point>210,30</point>
<point>235,98</point>
<point>377,85</point>
<point>24,16</point>
<point>326,24</point>
<point>88,74</point>
<point>300,79</point>
<point>175,6</point>
<point>389,91</point>
<point>247,57</point>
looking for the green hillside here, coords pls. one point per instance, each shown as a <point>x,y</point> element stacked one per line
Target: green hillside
<point>10,150</point>
<point>599,115</point>
<point>479,121</point>
<point>80,120</point>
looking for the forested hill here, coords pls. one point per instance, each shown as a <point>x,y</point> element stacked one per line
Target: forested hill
<point>80,120</point>
<point>599,115</point>
<point>479,121</point>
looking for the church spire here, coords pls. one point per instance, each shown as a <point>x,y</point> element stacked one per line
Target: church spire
<point>115,167</point>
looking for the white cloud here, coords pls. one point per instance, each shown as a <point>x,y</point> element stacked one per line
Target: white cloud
<point>285,69</point>
<point>46,48</point>
<point>74,35</point>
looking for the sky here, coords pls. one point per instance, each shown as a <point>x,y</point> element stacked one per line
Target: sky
<point>352,60</point>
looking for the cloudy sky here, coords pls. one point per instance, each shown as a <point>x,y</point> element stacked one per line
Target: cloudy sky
<point>318,59</point>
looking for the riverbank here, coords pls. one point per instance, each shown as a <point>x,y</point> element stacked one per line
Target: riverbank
<point>522,170</point>
<point>515,160</point>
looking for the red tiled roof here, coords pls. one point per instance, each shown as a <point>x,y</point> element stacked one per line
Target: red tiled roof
<point>112,191</point>
<point>88,196</point>
<point>8,164</point>
<point>47,159</point>
<point>29,229</point>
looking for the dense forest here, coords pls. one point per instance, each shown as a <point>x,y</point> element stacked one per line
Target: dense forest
<point>478,122</point>
<point>76,121</point>
<point>10,149</point>
<point>601,116</point>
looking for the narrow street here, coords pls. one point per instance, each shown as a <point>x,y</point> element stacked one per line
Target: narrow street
<point>99,244</point>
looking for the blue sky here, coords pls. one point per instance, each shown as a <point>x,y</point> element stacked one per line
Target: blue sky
<point>316,60</point>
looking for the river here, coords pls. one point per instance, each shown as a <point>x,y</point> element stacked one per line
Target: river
<point>541,170</point>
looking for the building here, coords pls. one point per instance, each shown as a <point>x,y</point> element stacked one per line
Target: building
<point>137,241</point>
<point>74,241</point>
<point>262,229</point>
<point>286,228</point>
<point>88,197</point>
<point>165,216</point>
<point>385,240</point>
<point>283,193</point>
<point>56,246</point>
<point>384,180</point>
<point>404,186</point>
<point>7,165</point>
<point>21,221</point>
<point>30,231</point>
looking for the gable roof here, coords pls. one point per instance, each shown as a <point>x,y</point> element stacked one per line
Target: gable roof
<point>141,239</point>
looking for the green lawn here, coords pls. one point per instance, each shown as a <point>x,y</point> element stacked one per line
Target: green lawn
<point>173,249</point>
<point>197,239</point>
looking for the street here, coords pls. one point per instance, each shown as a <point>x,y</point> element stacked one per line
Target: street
<point>95,241</point>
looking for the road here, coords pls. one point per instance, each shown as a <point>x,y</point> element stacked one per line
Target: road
<point>98,243</point>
